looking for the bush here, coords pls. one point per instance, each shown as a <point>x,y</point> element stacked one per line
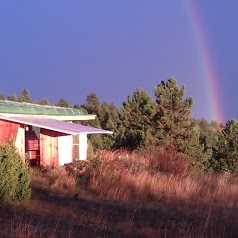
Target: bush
<point>14,175</point>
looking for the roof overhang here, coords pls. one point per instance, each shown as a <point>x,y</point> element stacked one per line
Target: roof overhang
<point>54,125</point>
<point>61,118</point>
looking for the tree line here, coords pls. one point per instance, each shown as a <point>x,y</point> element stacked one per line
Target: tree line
<point>160,123</point>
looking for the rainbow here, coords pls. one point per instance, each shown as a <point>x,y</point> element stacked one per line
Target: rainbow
<point>213,95</point>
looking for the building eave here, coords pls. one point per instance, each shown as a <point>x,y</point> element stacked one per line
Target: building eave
<point>61,118</point>
<point>55,125</point>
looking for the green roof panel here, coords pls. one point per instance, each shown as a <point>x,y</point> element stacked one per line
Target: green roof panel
<point>36,109</point>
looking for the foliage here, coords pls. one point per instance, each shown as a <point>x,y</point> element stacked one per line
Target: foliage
<point>62,103</point>
<point>14,175</point>
<point>107,118</point>
<point>92,104</point>
<point>163,124</point>
<point>13,98</point>
<point>136,120</point>
<point>226,153</point>
<point>166,162</point>
<point>2,97</point>
<point>109,121</point>
<point>24,96</point>
<point>80,108</point>
<point>209,132</point>
<point>43,101</point>
<point>174,129</point>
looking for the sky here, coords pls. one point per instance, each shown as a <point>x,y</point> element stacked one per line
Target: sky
<point>69,49</point>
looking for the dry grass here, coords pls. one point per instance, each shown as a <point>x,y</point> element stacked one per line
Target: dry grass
<point>127,177</point>
<point>121,195</point>
<point>55,180</point>
<point>208,198</point>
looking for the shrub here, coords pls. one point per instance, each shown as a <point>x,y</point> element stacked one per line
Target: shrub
<point>14,175</point>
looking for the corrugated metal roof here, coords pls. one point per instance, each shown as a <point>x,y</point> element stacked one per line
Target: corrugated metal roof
<point>11,107</point>
<point>55,125</point>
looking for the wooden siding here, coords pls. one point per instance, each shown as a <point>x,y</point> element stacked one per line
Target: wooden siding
<point>13,131</point>
<point>49,147</point>
<point>32,147</point>
<point>20,141</point>
<point>54,147</point>
<point>8,131</point>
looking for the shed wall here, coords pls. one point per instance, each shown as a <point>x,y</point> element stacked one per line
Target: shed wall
<point>55,147</point>
<point>83,146</point>
<point>8,131</point>
<point>20,141</point>
<point>49,147</point>
<point>65,149</point>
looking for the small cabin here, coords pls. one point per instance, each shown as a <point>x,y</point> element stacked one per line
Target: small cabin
<point>46,135</point>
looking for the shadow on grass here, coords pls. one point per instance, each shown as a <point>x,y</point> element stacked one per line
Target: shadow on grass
<point>48,215</point>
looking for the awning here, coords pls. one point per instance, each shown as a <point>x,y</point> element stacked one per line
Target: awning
<point>55,125</point>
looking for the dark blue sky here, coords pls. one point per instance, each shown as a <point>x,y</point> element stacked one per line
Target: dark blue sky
<point>72,48</point>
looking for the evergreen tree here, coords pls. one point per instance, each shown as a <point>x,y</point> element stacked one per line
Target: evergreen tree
<point>13,98</point>
<point>92,105</point>
<point>136,120</point>
<point>80,108</point>
<point>174,129</point>
<point>226,154</point>
<point>15,176</point>
<point>62,103</point>
<point>106,118</point>
<point>2,97</point>
<point>109,121</point>
<point>43,101</point>
<point>24,96</point>
<point>209,132</point>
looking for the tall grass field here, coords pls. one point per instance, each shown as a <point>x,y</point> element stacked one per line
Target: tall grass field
<point>122,194</point>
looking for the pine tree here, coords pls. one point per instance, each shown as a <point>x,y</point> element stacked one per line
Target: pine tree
<point>13,98</point>
<point>2,97</point>
<point>226,154</point>
<point>62,103</point>
<point>15,175</point>
<point>43,101</point>
<point>209,132</point>
<point>24,96</point>
<point>77,106</point>
<point>109,121</point>
<point>106,118</point>
<point>174,128</point>
<point>92,105</point>
<point>136,120</point>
